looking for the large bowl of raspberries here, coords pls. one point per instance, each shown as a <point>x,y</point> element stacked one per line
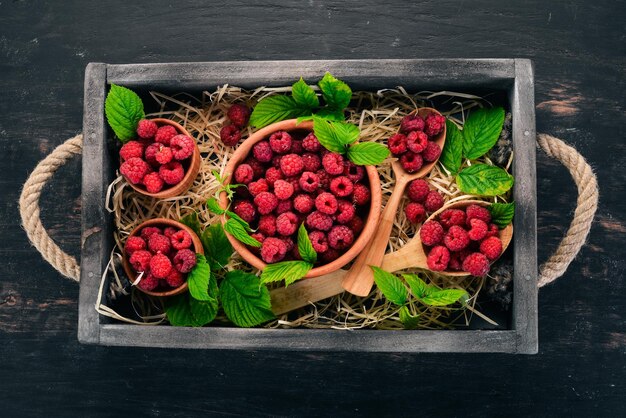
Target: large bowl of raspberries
<point>163,161</point>
<point>162,252</point>
<point>291,179</point>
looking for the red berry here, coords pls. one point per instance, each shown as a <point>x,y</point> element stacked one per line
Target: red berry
<point>296,147</point>
<point>244,174</point>
<point>340,237</point>
<point>333,163</point>
<point>341,186</point>
<point>295,182</point>
<point>412,123</point>
<point>431,152</point>
<point>272,174</point>
<point>286,223</point>
<point>434,201</point>
<point>415,212</point>
<point>438,258</point>
<point>230,135</point>
<point>478,229</point>
<point>360,194</point>
<point>456,261</point>
<point>165,134</point>
<point>258,186</point>
<point>330,255</point>
<point>273,250</point>
<point>416,141</point>
<point>153,182</point>
<point>431,233</point>
<point>245,210</point>
<point>411,162</point>
<point>148,282</point>
<point>267,225</point>
<point>456,238</point>
<point>257,167</point>
<point>182,147</point>
<point>259,237</point>
<point>169,231</point>
<point>356,225</point>
<point>175,279</point>
<point>289,244</point>
<point>280,142</point>
<point>434,124</point>
<point>283,206</point>
<point>131,149</point>
<point>160,266</point>
<point>345,212</point>
<point>418,190</point>
<point>239,114</point>
<point>397,144</point>
<point>262,152</point>
<point>164,155</point>
<point>493,231</point>
<point>310,143</point>
<point>150,154</point>
<point>172,173</point>
<point>148,231</point>
<point>318,241</point>
<point>491,247</point>
<point>318,220</point>
<point>265,202</point>
<point>185,260</point>
<point>291,165</point>
<point>450,217</point>
<point>134,169</point>
<point>146,129</point>
<point>181,240</point>
<point>309,182</point>
<point>158,243</point>
<point>283,189</point>
<point>324,178</point>
<point>476,264</point>
<point>474,211</point>
<point>134,244</point>
<point>312,162</point>
<point>326,203</point>
<point>303,203</point>
<point>354,172</point>
<point>140,260</point>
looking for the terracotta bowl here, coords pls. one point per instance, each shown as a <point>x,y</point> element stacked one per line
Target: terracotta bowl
<point>161,223</point>
<point>369,224</point>
<point>191,171</point>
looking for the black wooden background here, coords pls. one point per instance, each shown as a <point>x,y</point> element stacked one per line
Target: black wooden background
<point>579,52</point>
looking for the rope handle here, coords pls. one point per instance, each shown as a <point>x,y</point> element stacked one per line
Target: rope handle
<point>553,268</point>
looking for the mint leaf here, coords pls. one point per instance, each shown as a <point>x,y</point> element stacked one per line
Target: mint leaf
<point>238,231</point>
<point>216,244</point>
<point>346,133</point>
<point>336,93</point>
<point>443,297</point>
<point>198,279</point>
<point>276,108</point>
<point>452,153</point>
<point>409,321</point>
<point>502,213</point>
<point>481,131</point>
<point>191,220</point>
<point>392,288</point>
<point>327,135</point>
<point>214,206</point>
<point>368,153</point>
<point>124,110</point>
<point>178,311</point>
<point>288,270</point>
<point>484,180</point>
<point>203,311</point>
<point>305,248</point>
<point>304,95</point>
<point>245,300</point>
<point>331,114</point>
<point>419,288</point>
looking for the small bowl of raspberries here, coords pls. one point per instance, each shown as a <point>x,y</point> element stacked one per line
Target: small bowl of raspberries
<point>291,179</point>
<point>162,252</point>
<point>460,239</point>
<point>163,161</point>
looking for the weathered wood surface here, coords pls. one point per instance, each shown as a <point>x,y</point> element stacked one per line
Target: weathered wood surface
<point>578,50</point>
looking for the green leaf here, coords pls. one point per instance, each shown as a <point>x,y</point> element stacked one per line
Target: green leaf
<point>305,248</point>
<point>288,270</point>
<point>214,206</point>
<point>481,131</point>
<point>502,213</point>
<point>276,108</point>
<point>203,311</point>
<point>198,279</point>
<point>392,288</point>
<point>331,114</point>
<point>238,231</point>
<point>178,311</point>
<point>336,93</point>
<point>191,220</point>
<point>452,154</point>
<point>443,297</point>
<point>347,133</point>
<point>327,135</point>
<point>216,244</point>
<point>304,95</point>
<point>409,321</point>
<point>124,110</point>
<point>419,288</point>
<point>303,119</point>
<point>245,300</point>
<point>368,153</point>
<point>484,180</point>
<point>239,219</point>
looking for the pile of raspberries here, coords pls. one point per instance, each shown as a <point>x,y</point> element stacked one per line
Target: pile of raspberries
<point>423,201</point>
<point>238,114</point>
<point>291,179</point>
<point>414,143</point>
<point>158,158</point>
<point>462,240</point>
<point>164,256</point>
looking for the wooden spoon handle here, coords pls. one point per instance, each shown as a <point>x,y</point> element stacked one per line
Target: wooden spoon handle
<point>305,291</point>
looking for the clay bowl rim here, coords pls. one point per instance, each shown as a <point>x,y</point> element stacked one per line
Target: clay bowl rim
<point>132,275</point>
<point>370,223</point>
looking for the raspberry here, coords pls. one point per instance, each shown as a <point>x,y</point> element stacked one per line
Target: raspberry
<point>134,244</point>
<point>276,160</point>
<point>296,148</point>
<point>356,225</point>
<point>311,162</point>
<point>163,155</point>
<point>181,240</point>
<point>153,182</point>
<point>148,282</point>
<point>415,212</point>
<point>326,203</point>
<point>262,152</point>
<point>411,162</point>
<point>418,190</point>
<point>438,258</point>
<point>283,206</point>
<point>412,123</point>
<point>456,261</point>
<point>165,134</point>
<point>476,264</point>
<point>309,182</point>
<point>474,211</point>
<point>456,238</point>
<point>354,172</point>
<point>150,154</point>
<point>303,203</point>
<point>397,144</point>
<point>258,186</point>
<point>450,217</point>
<point>244,174</point>
<point>146,129</point>
<point>416,141</point>
<point>148,231</point>
<point>267,225</point>
<point>434,124</point>
<point>273,250</point>
<point>291,165</point>
<point>169,231</point>
<point>491,247</point>
<point>245,210</point>
<point>172,173</point>
<point>310,143</point>
<point>431,152</point>
<point>318,241</point>
<point>345,212</point>
<point>431,233</point>
<point>239,115</point>
<point>185,261</point>
<point>230,135</point>
<point>288,243</point>
<point>434,201</point>
<point>360,194</point>
<point>318,220</point>
<point>333,163</point>
<point>160,265</point>
<point>175,278</point>
<point>158,243</point>
<point>257,167</point>
<point>280,142</point>
<point>330,255</point>
<point>266,202</point>
<point>259,237</point>
<point>272,174</point>
<point>283,189</point>
<point>182,147</point>
<point>131,149</point>
<point>324,178</point>
<point>134,169</point>
<point>493,231</point>
<point>340,237</point>
<point>140,260</point>
<point>341,186</point>
<point>286,223</point>
<point>478,229</point>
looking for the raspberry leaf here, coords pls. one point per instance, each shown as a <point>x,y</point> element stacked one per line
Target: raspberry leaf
<point>198,279</point>
<point>502,213</point>
<point>191,220</point>
<point>452,153</point>
<point>481,131</point>
<point>124,110</point>
<point>409,321</point>
<point>216,245</point>
<point>214,206</point>
<point>304,95</point>
<point>336,93</point>
<point>276,108</point>
<point>290,271</point>
<point>203,311</point>
<point>484,180</point>
<point>237,230</point>
<point>443,297</point>
<point>331,114</point>
<point>368,153</point>
<point>245,299</point>
<point>327,135</point>
<point>391,287</point>
<point>347,133</point>
<point>419,288</point>
<point>178,311</point>
<point>305,248</point>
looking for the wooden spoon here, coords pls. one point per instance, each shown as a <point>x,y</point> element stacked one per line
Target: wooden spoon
<point>359,279</point>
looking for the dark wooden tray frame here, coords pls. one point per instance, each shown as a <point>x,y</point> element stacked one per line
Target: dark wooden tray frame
<point>512,75</point>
